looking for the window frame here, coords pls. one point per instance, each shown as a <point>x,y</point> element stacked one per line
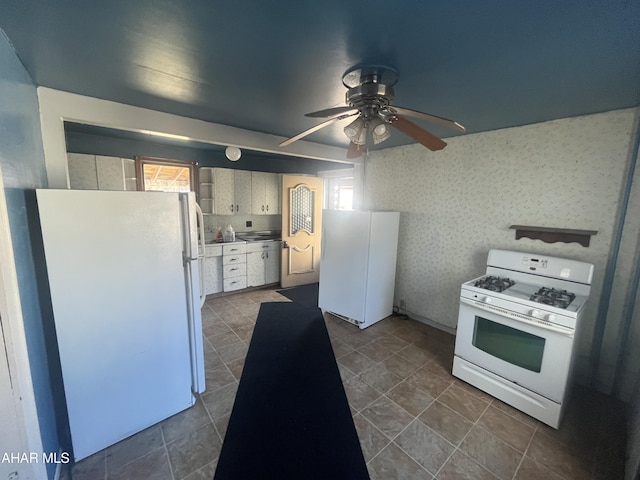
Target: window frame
<point>141,161</point>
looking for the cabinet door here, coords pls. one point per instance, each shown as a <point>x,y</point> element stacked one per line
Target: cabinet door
<point>224,201</point>
<point>82,171</point>
<point>129,168</point>
<point>258,185</point>
<point>272,194</point>
<point>255,269</point>
<point>242,192</point>
<point>272,266</point>
<point>212,275</point>
<point>110,173</point>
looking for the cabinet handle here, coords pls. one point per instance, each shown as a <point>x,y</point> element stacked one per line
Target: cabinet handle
<point>265,246</point>
<point>267,254</point>
<point>232,208</point>
<point>267,208</point>
<point>262,256</point>
<point>233,269</point>
<point>237,209</point>
<point>263,208</point>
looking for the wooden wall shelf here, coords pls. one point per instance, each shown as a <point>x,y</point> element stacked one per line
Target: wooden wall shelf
<point>552,235</point>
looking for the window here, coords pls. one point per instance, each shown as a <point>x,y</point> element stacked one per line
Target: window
<point>163,175</point>
<point>338,189</point>
<point>343,197</point>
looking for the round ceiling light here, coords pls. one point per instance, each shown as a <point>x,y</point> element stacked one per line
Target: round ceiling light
<point>233,153</point>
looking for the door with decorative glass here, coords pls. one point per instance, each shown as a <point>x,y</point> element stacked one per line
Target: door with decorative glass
<point>301,229</point>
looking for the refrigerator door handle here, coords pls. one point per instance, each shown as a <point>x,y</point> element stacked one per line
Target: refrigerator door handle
<point>191,260</point>
<point>201,234</point>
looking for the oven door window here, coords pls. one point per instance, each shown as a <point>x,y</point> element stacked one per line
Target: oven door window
<point>509,344</point>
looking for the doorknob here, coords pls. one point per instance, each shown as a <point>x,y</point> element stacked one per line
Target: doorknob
<point>285,244</point>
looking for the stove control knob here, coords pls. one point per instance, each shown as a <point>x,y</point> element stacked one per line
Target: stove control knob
<point>486,299</point>
<point>534,313</point>
<point>551,317</point>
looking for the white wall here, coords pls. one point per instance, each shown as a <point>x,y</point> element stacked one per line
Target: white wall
<point>458,203</point>
<point>25,323</point>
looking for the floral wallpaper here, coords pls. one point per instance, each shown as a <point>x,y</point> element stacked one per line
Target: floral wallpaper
<point>458,203</point>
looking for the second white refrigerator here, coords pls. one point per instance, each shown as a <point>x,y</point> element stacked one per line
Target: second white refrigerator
<point>358,264</point>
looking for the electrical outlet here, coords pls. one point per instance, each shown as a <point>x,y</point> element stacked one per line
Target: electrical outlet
<point>403,305</point>
<point>249,223</point>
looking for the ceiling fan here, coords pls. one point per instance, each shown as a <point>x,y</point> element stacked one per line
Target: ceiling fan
<point>369,96</point>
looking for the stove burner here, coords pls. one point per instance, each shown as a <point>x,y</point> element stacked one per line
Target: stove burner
<point>495,284</point>
<point>553,297</point>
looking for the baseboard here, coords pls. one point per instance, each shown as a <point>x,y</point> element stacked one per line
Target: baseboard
<point>431,323</point>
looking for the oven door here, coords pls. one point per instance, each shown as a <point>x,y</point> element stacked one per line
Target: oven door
<point>536,357</point>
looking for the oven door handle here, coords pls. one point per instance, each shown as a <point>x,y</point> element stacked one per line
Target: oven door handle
<point>533,321</point>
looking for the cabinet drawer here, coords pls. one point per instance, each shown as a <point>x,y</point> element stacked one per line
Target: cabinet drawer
<point>238,270</point>
<point>234,259</point>
<point>234,248</point>
<point>235,283</point>
<point>263,246</point>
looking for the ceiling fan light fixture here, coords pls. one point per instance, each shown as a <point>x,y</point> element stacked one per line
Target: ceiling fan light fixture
<point>379,130</point>
<point>353,131</point>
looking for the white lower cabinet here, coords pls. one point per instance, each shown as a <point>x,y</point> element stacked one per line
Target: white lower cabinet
<point>234,266</point>
<point>212,269</point>
<point>263,263</point>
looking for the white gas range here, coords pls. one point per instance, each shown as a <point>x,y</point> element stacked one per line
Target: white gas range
<point>516,329</point>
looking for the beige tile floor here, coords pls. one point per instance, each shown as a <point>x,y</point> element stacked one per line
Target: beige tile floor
<point>415,420</point>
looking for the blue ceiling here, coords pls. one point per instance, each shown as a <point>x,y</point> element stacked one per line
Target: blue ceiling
<point>262,65</point>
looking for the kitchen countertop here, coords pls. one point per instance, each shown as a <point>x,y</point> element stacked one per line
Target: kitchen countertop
<point>248,237</point>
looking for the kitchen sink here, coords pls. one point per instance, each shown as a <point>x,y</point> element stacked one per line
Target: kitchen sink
<point>258,236</point>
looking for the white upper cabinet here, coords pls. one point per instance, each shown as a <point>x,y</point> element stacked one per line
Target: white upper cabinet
<point>97,172</point>
<point>224,198</point>
<point>242,184</point>
<point>265,193</point>
<point>232,191</point>
<point>82,171</point>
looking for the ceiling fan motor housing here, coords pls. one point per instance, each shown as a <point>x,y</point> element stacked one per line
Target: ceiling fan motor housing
<point>369,98</point>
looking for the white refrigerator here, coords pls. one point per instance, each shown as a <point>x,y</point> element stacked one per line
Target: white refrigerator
<point>124,281</point>
<point>358,264</point>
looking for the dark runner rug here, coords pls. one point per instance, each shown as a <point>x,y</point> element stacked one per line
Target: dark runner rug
<point>306,295</point>
<point>290,419</point>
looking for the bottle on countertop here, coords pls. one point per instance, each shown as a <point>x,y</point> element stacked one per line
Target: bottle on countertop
<point>219,236</point>
<point>229,234</point>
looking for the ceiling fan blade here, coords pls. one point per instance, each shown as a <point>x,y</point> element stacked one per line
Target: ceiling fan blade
<point>354,150</point>
<point>426,116</point>
<point>419,134</point>
<point>314,129</point>
<point>332,112</point>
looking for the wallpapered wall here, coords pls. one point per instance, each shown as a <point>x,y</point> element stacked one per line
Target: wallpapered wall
<point>458,203</point>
